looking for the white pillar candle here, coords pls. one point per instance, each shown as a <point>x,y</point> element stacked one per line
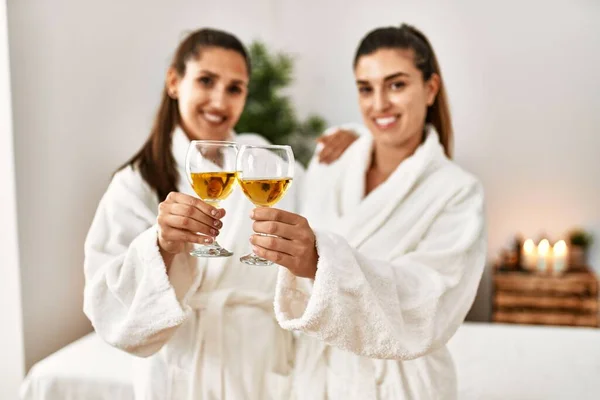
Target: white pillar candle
<point>543,251</point>
<point>559,257</point>
<point>529,255</point>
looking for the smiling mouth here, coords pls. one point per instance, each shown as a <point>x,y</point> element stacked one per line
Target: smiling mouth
<point>386,122</point>
<point>213,118</point>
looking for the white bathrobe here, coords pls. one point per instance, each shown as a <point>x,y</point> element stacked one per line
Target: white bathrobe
<point>397,272</point>
<point>205,331</point>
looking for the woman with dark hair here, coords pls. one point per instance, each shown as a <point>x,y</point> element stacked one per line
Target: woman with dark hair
<point>393,243</point>
<point>204,328</point>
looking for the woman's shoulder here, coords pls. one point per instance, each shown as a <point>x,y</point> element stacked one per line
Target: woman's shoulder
<point>356,150</point>
<point>128,175</point>
<point>336,168</point>
<point>363,139</point>
<point>129,181</point>
<point>456,178</point>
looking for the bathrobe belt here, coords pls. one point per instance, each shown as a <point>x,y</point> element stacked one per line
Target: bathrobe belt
<point>210,334</point>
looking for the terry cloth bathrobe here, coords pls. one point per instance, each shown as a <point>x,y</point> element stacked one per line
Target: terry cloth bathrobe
<point>397,273</point>
<point>206,330</point>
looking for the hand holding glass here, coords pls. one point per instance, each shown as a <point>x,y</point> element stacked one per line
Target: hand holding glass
<point>265,173</point>
<point>210,168</point>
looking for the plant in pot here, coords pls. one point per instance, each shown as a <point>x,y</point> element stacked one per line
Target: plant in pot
<point>580,241</point>
<point>270,112</point>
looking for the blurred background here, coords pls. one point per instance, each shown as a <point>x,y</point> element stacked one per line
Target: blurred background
<point>80,82</point>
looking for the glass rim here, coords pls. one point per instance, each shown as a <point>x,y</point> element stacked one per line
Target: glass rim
<point>214,142</point>
<point>270,146</point>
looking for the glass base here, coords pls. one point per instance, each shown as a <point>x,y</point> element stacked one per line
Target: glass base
<point>213,250</point>
<point>253,259</point>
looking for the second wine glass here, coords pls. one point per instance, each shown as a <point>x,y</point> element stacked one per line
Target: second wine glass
<point>210,167</point>
<point>264,173</point>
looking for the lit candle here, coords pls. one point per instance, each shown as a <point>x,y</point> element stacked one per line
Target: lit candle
<point>543,260</point>
<point>559,253</point>
<point>529,255</point>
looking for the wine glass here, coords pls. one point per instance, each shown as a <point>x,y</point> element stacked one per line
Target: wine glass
<point>210,168</point>
<point>264,173</point>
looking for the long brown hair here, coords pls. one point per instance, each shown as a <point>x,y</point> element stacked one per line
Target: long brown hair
<point>408,37</point>
<point>155,159</point>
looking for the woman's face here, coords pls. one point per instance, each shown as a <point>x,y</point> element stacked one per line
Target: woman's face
<point>211,94</point>
<point>393,97</point>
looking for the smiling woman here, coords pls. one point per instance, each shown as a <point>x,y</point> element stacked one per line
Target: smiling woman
<point>393,235</point>
<point>188,317</point>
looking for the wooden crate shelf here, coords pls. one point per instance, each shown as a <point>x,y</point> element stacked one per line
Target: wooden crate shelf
<point>526,298</point>
<point>516,300</point>
<point>539,318</point>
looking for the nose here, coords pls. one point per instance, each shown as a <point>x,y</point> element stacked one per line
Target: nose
<point>381,101</point>
<point>218,98</point>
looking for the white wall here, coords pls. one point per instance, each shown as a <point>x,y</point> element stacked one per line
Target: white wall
<point>86,80</point>
<point>524,90</point>
<point>11,331</point>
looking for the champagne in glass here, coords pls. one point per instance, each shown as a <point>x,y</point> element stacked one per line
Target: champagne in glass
<point>265,173</point>
<point>210,168</point>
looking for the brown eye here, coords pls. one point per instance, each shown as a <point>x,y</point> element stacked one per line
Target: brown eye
<point>364,89</point>
<point>397,85</point>
<point>205,81</point>
<point>234,90</point>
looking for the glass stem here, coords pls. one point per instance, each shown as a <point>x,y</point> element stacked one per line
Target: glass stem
<point>215,204</point>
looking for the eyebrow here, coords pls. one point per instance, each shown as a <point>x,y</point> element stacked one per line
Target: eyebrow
<point>387,78</point>
<point>215,75</point>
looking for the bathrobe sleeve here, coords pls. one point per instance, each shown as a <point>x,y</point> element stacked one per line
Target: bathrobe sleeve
<point>128,296</point>
<point>401,309</point>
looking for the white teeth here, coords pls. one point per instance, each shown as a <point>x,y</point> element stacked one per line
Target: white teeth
<point>385,121</point>
<point>214,118</point>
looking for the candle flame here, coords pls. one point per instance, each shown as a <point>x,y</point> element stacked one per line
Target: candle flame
<point>560,248</point>
<point>544,247</point>
<point>529,246</point>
